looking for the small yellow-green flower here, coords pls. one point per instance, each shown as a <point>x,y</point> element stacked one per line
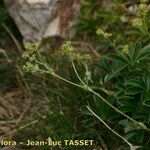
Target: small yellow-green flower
<point>125,49</point>
<point>142,10</point>
<point>137,22</point>
<point>32,57</point>
<point>144,1</point>
<point>69,51</point>
<point>25,55</point>
<point>67,48</point>
<point>102,33</point>
<point>30,67</point>
<point>84,59</point>
<point>31,47</point>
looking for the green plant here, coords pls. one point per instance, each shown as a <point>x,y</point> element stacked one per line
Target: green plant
<point>40,65</point>
<point>129,73</point>
<point>126,72</point>
<point>120,98</point>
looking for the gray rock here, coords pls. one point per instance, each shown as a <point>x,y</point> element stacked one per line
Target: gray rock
<point>41,18</point>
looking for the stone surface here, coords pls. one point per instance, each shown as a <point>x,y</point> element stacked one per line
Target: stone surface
<point>37,19</point>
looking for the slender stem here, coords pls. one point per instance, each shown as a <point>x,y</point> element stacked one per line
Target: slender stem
<point>117,134</point>
<point>20,128</point>
<point>59,77</point>
<point>55,75</point>
<point>76,72</point>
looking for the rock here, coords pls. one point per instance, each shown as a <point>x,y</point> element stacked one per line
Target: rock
<point>37,19</point>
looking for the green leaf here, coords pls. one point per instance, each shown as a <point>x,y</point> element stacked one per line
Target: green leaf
<point>126,102</point>
<point>126,108</point>
<point>130,134</point>
<point>134,83</point>
<point>103,63</point>
<point>135,52</point>
<point>145,99</point>
<point>108,77</point>
<point>118,58</point>
<point>133,90</point>
<point>85,111</point>
<point>120,94</point>
<point>144,52</point>
<point>90,122</point>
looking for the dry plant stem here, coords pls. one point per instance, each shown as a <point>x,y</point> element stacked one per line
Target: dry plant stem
<point>13,38</point>
<point>20,128</point>
<point>23,113</point>
<point>25,86</point>
<point>109,127</point>
<point>4,53</point>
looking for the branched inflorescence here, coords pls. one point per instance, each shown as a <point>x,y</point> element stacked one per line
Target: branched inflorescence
<point>30,56</point>
<point>141,20</point>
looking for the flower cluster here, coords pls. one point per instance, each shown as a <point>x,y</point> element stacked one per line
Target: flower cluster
<point>69,51</point>
<point>142,10</point>
<point>125,49</point>
<point>30,56</point>
<point>137,22</point>
<point>142,13</point>
<point>102,33</point>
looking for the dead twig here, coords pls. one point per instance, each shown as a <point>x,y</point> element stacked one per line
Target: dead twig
<point>13,38</point>
<point>20,128</point>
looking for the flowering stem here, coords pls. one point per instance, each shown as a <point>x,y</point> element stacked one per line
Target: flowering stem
<point>72,83</point>
<point>75,70</point>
